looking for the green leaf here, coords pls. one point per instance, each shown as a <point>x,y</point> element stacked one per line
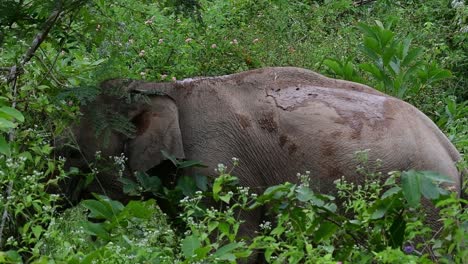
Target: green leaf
<point>202,252</point>
<point>189,245</point>
<point>304,194</point>
<point>435,176</point>
<point>4,147</point>
<point>390,192</point>
<point>334,65</point>
<point>367,30</point>
<point>191,163</point>
<point>372,69</point>
<point>129,187</point>
<point>412,55</point>
<point>13,113</point>
<point>222,251</point>
<point>397,231</point>
<point>385,36</point>
<point>325,231</point>
<point>381,207</point>
<point>429,189</point>
<point>140,209</point>
<point>410,181</point>
<point>95,229</point>
<point>6,124</point>
<point>201,182</point>
<point>170,157</point>
<point>149,183</point>
<point>98,209</point>
<point>372,46</point>
<point>37,230</point>
<point>187,185</point>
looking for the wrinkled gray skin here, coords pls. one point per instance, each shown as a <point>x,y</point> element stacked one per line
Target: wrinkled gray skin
<point>278,122</point>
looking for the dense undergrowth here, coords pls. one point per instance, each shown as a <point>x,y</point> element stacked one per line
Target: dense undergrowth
<point>416,50</point>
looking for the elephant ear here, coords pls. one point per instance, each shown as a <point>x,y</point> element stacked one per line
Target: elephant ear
<point>157,129</point>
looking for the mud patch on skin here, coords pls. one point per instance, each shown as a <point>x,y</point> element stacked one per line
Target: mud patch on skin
<point>292,149</point>
<point>283,139</point>
<point>244,121</point>
<point>267,122</point>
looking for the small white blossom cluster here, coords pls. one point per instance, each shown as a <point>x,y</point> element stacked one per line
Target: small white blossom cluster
<point>191,200</point>
<point>304,179</point>
<point>266,226</point>
<point>221,169</point>
<point>119,162</point>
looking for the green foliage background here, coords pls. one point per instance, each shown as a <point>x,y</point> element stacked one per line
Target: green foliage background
<point>94,40</point>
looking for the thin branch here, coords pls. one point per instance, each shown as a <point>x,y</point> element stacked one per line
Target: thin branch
<point>40,37</point>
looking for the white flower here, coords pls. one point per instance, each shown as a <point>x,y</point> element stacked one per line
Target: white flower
<point>213,46</point>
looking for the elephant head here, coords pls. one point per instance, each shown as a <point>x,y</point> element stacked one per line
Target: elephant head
<point>104,129</point>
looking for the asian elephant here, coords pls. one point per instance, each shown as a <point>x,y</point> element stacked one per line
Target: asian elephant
<point>277,121</point>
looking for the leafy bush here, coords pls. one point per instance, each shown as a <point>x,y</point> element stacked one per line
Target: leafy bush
<point>393,63</point>
<point>382,222</point>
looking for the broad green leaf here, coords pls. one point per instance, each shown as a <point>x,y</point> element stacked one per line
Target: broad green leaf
<point>429,189</point>
<point>325,231</point>
<point>170,157</point>
<point>440,75</point>
<point>202,252</point>
<point>95,229</point>
<point>385,37</point>
<point>187,185</point>
<point>4,146</point>
<point>191,163</point>
<point>379,24</point>
<point>98,209</point>
<point>149,183</point>
<point>129,187</point>
<point>217,187</point>
<point>304,194</point>
<point>367,30</point>
<point>349,71</point>
<point>228,249</point>
<point>140,209</point>
<point>373,46</point>
<point>372,69</point>
<point>189,245</point>
<point>435,176</point>
<point>390,192</point>
<point>410,181</point>
<point>6,124</point>
<point>201,182</point>
<point>381,207</point>
<point>412,55</point>
<point>12,112</point>
<point>334,65</point>
<point>37,230</point>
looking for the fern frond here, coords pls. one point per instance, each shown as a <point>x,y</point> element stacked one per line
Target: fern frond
<point>84,94</point>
